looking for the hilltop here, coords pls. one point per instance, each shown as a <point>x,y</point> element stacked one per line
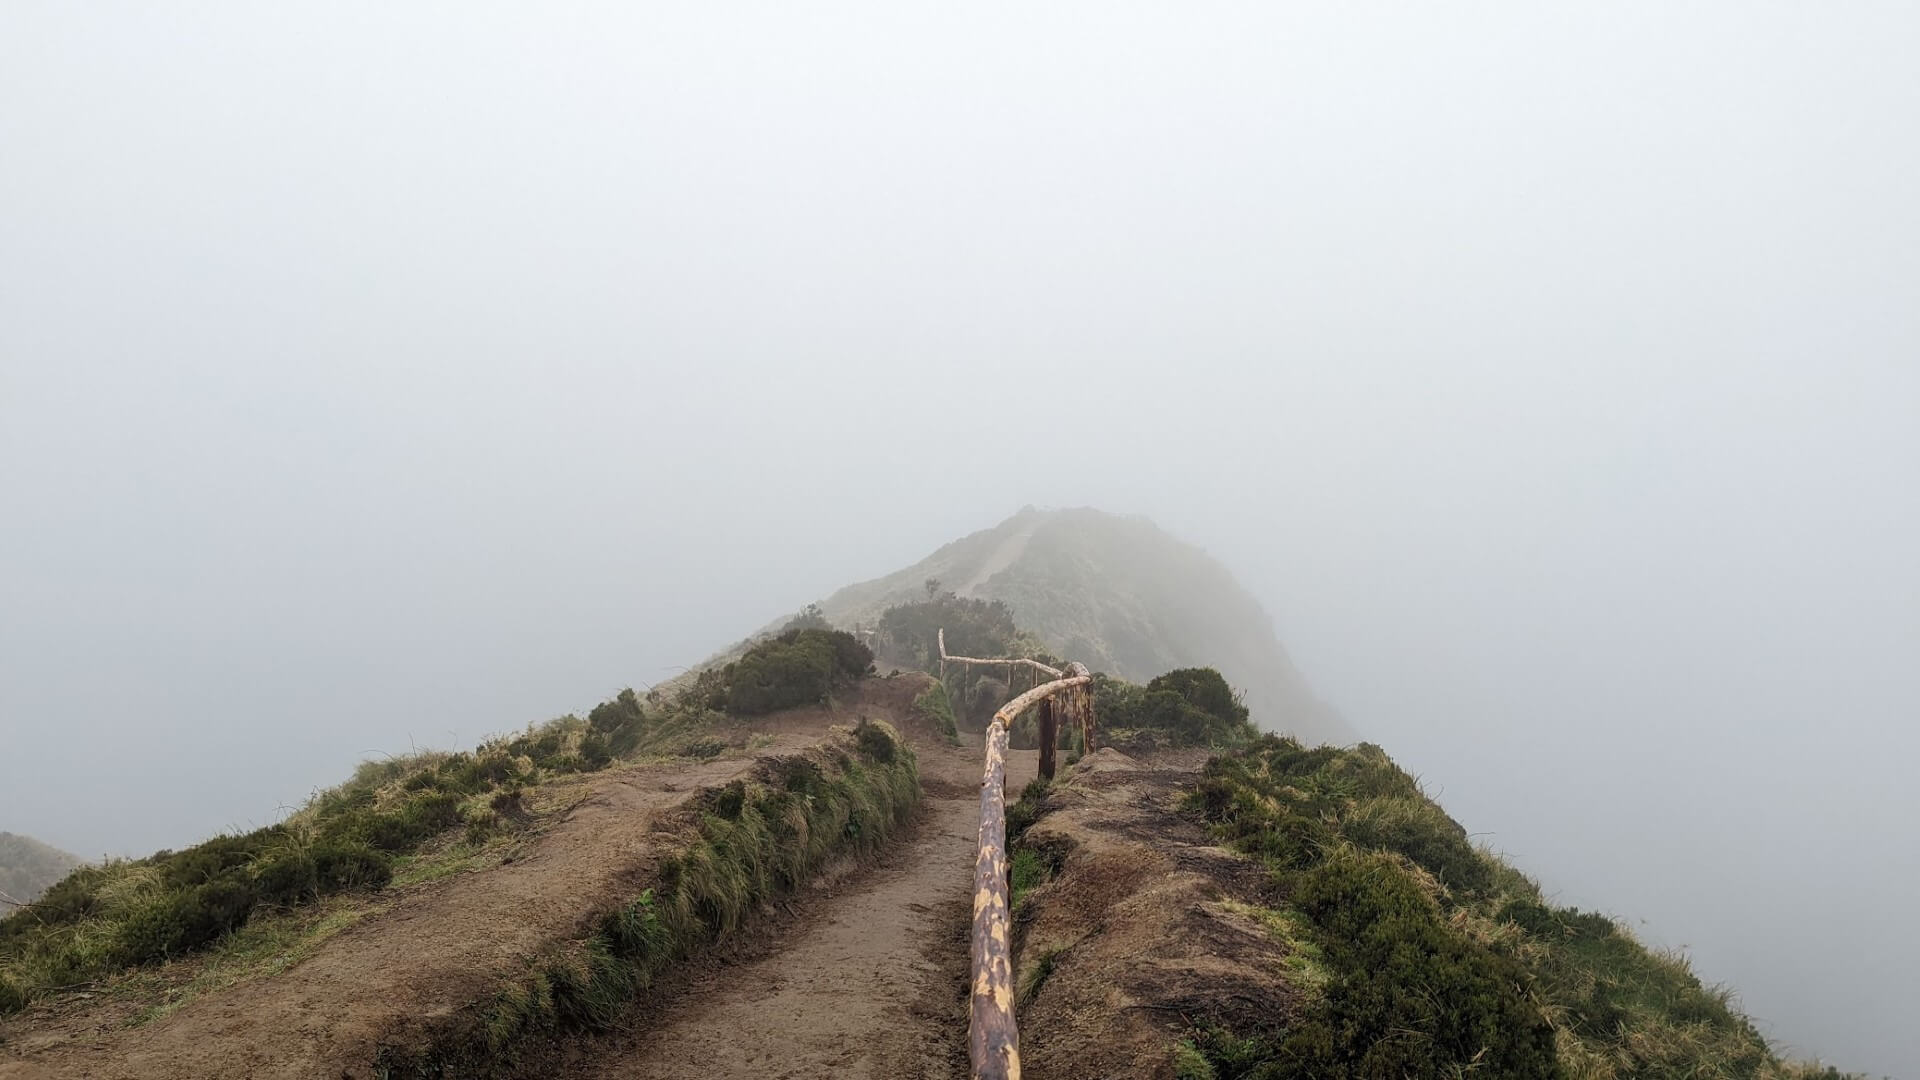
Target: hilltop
<point>1119,594</point>
<point>29,867</point>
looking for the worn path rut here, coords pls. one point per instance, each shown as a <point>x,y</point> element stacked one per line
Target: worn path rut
<point>870,982</point>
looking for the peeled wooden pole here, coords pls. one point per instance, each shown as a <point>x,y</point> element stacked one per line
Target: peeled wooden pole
<point>1010,661</point>
<point>993,1040</point>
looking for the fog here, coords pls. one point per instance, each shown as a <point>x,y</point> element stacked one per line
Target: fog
<point>386,375</point>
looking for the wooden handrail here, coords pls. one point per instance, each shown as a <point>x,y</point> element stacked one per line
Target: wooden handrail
<point>993,1036</point>
<point>1008,661</point>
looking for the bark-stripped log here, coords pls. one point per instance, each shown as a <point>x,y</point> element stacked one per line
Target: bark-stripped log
<point>1020,660</point>
<point>993,1040</point>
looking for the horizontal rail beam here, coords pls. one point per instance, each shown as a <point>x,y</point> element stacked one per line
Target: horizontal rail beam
<point>1009,661</point>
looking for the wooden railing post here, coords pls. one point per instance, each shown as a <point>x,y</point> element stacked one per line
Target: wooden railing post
<point>1049,737</point>
<point>993,1039</point>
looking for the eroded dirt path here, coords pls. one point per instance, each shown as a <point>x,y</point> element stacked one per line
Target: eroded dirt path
<point>870,982</point>
<point>432,950</point>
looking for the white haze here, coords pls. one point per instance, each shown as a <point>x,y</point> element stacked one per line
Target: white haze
<point>379,374</point>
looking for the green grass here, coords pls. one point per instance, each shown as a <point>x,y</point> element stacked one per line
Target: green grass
<point>744,844</point>
<point>264,947</point>
<point>1427,957</point>
<point>358,837</point>
<point>1038,974</point>
<point>936,708</point>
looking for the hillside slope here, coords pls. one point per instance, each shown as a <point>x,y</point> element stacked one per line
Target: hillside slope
<point>28,867</point>
<point>1119,594</point>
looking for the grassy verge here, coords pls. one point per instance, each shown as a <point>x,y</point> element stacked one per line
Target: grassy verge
<point>742,845</point>
<point>1423,956</point>
<point>935,707</point>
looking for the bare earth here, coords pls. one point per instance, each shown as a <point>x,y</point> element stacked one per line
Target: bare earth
<point>870,983</point>
<point>429,953</point>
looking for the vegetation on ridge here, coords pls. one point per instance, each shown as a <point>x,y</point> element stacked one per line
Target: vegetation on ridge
<point>1442,960</point>
<point>105,919</point>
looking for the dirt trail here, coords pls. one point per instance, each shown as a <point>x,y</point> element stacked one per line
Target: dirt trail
<point>1002,557</point>
<point>870,983</point>
<point>428,954</point>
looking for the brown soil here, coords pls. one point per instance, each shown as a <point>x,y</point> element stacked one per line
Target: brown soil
<point>1133,931</point>
<point>870,980</point>
<point>429,952</point>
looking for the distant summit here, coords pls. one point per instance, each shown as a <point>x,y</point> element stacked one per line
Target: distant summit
<point>28,867</point>
<point>1121,595</point>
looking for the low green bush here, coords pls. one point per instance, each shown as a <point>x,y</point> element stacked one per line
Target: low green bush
<point>180,922</point>
<point>1444,961</point>
<point>799,667</point>
<point>937,709</point>
<point>12,998</point>
<point>341,866</point>
<point>1411,995</point>
<point>1184,707</point>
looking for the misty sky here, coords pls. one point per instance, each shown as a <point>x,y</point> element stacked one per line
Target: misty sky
<point>376,375</point>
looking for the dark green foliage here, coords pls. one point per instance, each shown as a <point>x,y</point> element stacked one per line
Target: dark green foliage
<point>12,998</point>
<point>874,742</point>
<point>342,866</point>
<point>288,878</point>
<point>595,754</point>
<point>730,800</point>
<point>1027,809</point>
<point>800,775</point>
<point>400,829</point>
<point>1410,991</point>
<point>981,628</point>
<point>798,667</point>
<point>1184,707</point>
<point>216,857</point>
<point>703,749</point>
<point>624,709</point>
<point>937,708</point>
<point>1413,997</point>
<point>179,922</point>
<point>1292,804</point>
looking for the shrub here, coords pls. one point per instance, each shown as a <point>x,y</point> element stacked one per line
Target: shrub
<point>935,707</point>
<point>179,922</point>
<point>974,628</point>
<point>1184,707</point>
<point>875,742</point>
<point>1027,809</point>
<point>12,998</point>
<point>594,751</point>
<point>609,716</point>
<point>288,878</point>
<point>799,667</point>
<point>341,866</point>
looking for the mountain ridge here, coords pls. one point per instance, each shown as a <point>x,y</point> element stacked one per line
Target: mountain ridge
<point>1120,594</point>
